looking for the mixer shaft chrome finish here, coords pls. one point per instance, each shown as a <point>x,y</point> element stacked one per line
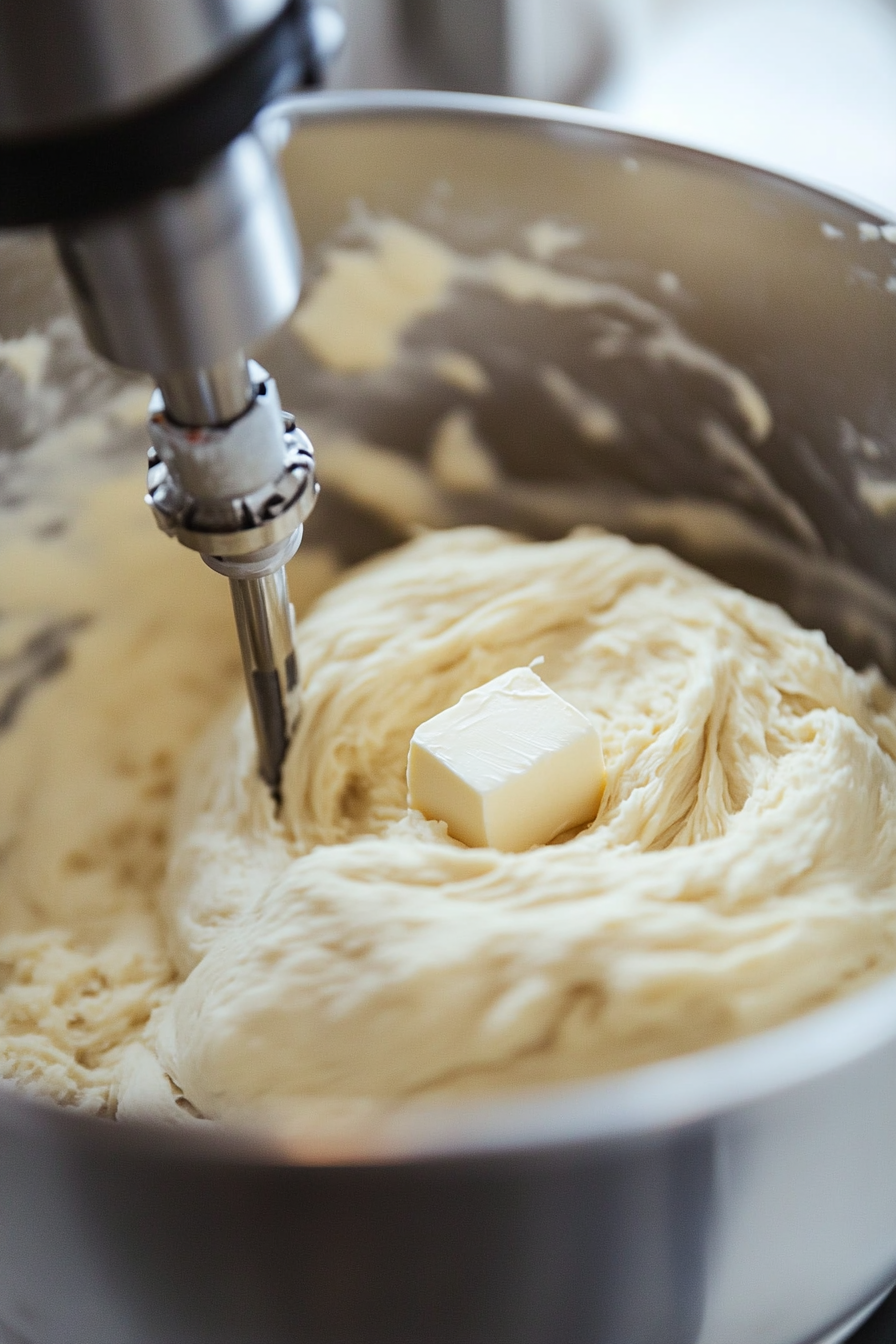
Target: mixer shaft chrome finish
<point>264,621</point>
<point>238,489</point>
<point>214,396</point>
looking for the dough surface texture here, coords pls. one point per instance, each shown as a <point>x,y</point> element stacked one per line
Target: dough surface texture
<point>169,946</point>
<point>740,870</point>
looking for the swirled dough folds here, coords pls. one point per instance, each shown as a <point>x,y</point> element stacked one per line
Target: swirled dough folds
<point>741,870</point>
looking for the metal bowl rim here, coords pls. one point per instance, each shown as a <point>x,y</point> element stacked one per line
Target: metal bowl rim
<point>298,108</point>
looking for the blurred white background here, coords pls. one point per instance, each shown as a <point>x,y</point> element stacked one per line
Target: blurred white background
<point>806,86</point>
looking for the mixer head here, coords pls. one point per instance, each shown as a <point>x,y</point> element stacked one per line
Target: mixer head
<point>129,129</point>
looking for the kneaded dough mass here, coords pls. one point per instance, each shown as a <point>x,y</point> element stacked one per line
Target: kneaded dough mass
<point>740,870</point>
<point>166,936</point>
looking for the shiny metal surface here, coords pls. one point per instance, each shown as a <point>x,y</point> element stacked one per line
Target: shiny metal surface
<point>212,396</point>
<point>178,283</point>
<point>238,489</point>
<point>193,274</point>
<point>264,620</point>
<point>69,62</point>
<point>217,464</point>
<point>741,1195</point>
<point>232,491</point>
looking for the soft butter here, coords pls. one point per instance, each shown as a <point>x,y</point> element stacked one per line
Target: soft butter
<point>511,765</point>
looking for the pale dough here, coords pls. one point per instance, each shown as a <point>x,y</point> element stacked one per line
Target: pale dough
<point>740,871</point>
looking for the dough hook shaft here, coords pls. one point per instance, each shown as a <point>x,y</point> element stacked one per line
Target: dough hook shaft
<point>264,622</point>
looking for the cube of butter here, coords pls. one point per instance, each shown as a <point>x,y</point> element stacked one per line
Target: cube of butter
<point>511,765</point>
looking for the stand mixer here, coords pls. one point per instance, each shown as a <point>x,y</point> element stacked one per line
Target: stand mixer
<point>752,1185</point>
<point>126,125</point>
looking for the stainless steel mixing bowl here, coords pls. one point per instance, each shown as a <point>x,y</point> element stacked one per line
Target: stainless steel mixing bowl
<point>741,1195</point>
